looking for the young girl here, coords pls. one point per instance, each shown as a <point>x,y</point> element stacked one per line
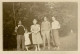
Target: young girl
<point>36,37</point>
<point>27,40</point>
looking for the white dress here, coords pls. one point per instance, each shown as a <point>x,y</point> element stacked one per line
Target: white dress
<point>27,39</point>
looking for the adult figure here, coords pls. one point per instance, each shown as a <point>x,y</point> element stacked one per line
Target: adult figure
<point>55,26</point>
<point>20,36</point>
<point>45,31</point>
<point>36,37</point>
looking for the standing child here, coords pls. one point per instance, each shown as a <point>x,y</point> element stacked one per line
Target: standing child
<point>27,40</point>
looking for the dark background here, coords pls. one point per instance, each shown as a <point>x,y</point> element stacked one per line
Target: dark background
<point>64,12</point>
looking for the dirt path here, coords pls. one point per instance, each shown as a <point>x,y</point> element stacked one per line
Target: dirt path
<point>68,43</point>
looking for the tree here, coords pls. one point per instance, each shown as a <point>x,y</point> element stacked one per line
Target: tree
<point>64,12</point>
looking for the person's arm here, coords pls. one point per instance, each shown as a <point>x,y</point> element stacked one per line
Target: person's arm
<point>49,26</point>
<point>16,29</point>
<point>42,26</point>
<point>58,25</point>
<point>29,32</point>
<point>38,28</point>
<point>32,29</point>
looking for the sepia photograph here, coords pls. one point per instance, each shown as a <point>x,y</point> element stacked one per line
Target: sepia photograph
<point>40,26</point>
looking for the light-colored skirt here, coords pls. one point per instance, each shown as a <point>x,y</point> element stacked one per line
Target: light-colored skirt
<point>36,38</point>
<point>27,40</point>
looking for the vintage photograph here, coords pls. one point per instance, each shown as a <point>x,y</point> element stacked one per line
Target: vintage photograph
<point>40,26</point>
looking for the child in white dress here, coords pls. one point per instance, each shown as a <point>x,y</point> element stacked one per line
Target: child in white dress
<point>27,40</point>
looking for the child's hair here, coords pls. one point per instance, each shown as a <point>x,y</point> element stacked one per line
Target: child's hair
<point>35,20</point>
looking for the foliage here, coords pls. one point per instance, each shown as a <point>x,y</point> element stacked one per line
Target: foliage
<point>64,12</point>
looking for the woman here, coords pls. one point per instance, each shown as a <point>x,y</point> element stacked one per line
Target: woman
<point>36,37</point>
<point>27,40</point>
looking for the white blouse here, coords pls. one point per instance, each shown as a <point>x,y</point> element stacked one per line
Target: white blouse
<point>35,28</point>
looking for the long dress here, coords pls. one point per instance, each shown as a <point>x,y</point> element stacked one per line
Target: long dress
<point>36,37</point>
<point>27,40</point>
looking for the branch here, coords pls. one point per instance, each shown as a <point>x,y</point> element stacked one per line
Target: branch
<point>14,14</point>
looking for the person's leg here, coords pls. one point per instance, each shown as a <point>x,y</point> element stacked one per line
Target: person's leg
<point>36,48</point>
<point>44,38</point>
<point>56,36</point>
<point>18,42</point>
<point>48,38</point>
<point>23,42</point>
<point>39,47</point>
<point>53,38</point>
<point>26,48</point>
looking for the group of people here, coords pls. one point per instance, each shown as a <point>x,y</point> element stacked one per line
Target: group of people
<point>40,34</point>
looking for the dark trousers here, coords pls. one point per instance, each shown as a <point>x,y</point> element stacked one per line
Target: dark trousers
<point>20,42</point>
